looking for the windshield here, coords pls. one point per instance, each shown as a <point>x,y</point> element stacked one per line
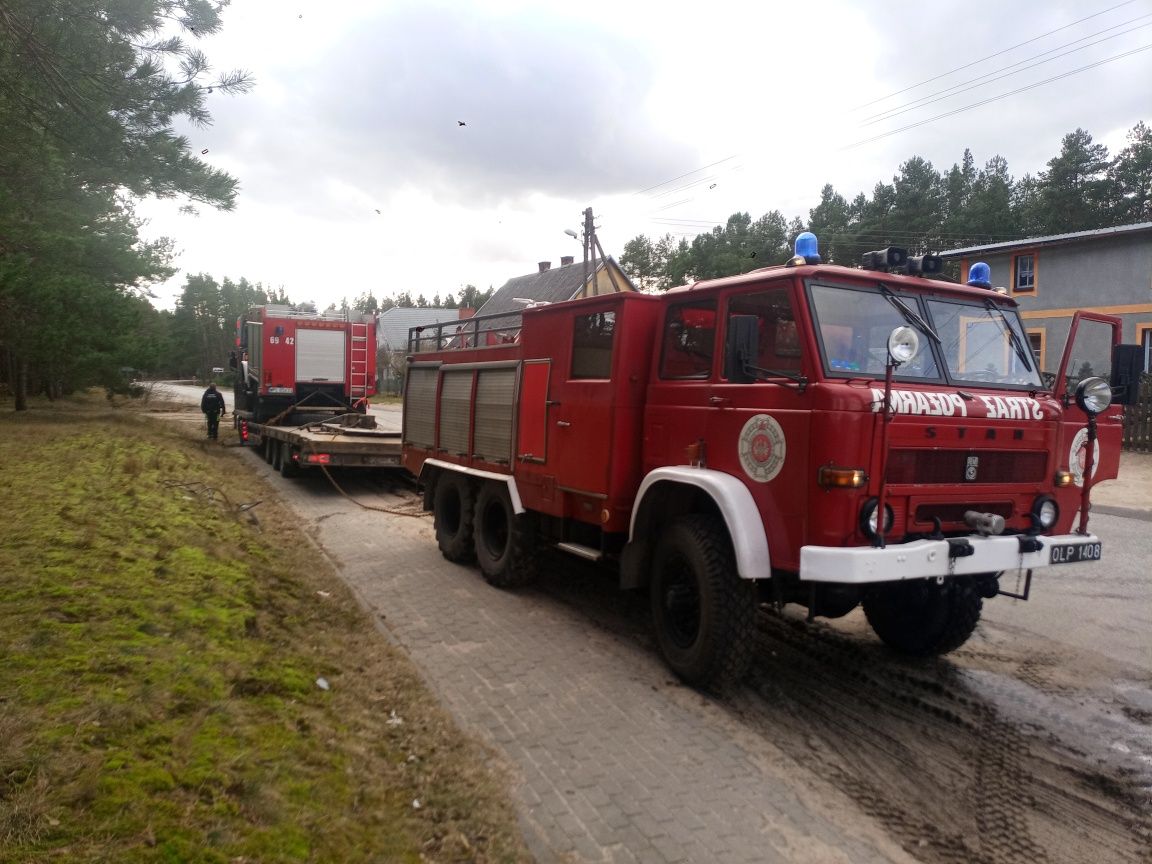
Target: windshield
<point>854,325</point>
<point>983,343</point>
<point>979,343</point>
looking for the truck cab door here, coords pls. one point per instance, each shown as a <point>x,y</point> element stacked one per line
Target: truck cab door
<point>1088,353</point>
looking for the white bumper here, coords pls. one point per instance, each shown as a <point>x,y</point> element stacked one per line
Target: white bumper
<point>861,565</point>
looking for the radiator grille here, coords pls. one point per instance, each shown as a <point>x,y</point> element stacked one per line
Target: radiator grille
<point>952,466</point>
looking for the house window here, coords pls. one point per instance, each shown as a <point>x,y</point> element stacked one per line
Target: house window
<point>1024,274</point>
<point>1036,338</point>
<point>592,345</point>
<point>1144,340</point>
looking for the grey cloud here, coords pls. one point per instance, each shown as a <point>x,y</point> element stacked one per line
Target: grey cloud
<point>550,109</point>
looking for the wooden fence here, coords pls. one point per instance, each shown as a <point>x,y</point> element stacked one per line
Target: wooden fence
<point>1138,419</point>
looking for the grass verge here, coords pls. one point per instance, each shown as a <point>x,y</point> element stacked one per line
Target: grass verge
<point>161,648</point>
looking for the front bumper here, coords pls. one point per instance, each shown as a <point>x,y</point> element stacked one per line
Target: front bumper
<point>863,565</point>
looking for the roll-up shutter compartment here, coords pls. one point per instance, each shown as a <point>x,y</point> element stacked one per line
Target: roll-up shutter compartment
<point>420,407</point>
<point>495,391</point>
<point>320,355</point>
<point>455,395</point>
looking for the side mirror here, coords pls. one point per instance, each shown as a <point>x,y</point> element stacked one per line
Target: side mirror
<point>1127,366</point>
<point>740,348</point>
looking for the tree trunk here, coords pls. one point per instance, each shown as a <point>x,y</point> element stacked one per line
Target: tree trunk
<point>20,383</point>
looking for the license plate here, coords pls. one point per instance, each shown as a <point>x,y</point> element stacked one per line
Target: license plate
<point>1075,552</point>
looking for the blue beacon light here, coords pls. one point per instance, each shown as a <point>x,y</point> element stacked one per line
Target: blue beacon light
<point>980,275</point>
<point>806,248</point>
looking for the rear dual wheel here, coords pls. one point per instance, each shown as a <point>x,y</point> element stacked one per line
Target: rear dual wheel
<point>452,509</point>
<point>507,544</point>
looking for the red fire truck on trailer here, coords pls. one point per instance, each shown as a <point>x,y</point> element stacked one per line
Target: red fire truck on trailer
<point>302,385</point>
<point>808,433</point>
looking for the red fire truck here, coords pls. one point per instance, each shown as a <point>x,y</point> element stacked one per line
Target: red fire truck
<point>302,384</point>
<point>808,433</point>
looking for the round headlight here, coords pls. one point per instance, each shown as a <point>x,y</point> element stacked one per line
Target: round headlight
<point>903,344</point>
<point>868,517</point>
<point>1093,395</point>
<point>1046,512</point>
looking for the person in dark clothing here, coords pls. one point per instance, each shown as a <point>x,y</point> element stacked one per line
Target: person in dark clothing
<point>212,404</point>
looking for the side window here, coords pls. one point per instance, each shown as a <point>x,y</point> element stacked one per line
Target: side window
<point>1091,353</point>
<point>779,342</point>
<point>689,340</point>
<point>592,341</point>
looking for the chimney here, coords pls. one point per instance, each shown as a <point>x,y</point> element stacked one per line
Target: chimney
<point>466,312</point>
<point>544,265</point>
<point>565,260</point>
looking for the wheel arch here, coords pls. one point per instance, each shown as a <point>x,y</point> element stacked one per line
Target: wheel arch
<point>670,492</point>
<point>432,469</point>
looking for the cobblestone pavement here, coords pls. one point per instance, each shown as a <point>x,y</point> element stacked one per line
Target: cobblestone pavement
<point>613,761</point>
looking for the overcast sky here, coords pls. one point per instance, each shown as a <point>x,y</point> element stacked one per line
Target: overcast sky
<point>356,175</point>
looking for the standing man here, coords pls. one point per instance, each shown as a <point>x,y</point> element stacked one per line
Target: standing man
<point>212,404</point>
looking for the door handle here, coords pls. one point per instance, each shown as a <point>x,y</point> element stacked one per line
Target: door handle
<point>563,423</point>
<point>719,400</point>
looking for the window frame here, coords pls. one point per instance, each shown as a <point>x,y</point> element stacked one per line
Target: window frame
<point>572,372</point>
<point>1015,272</point>
<point>1042,332</point>
<point>1141,330</point>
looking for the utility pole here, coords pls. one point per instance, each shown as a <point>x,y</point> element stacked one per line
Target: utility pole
<point>591,246</point>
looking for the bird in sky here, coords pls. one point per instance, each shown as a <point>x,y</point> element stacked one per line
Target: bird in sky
<point>461,123</point>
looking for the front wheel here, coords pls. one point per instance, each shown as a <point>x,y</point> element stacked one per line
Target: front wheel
<point>702,611</point>
<point>506,543</point>
<point>921,618</point>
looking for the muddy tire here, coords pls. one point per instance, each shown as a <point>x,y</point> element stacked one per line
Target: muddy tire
<point>507,545</point>
<point>922,619</point>
<point>702,611</point>
<point>453,512</point>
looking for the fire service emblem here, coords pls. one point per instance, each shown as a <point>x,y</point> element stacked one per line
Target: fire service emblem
<point>762,448</point>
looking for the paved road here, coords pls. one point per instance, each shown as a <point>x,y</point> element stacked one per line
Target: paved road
<point>1030,744</point>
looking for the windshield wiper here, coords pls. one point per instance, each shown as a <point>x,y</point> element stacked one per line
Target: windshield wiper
<point>1017,345</point>
<point>908,314</point>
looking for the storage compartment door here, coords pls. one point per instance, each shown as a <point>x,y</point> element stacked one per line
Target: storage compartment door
<point>320,355</point>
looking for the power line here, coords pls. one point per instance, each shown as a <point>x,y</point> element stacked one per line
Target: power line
<point>997,54</point>
<point>948,92</point>
<point>696,170</point>
<point>996,98</point>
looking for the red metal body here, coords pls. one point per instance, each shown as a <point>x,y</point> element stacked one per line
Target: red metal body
<point>582,445</point>
<point>320,359</point>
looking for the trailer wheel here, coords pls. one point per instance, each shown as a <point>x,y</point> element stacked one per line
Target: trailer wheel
<point>507,545</point>
<point>702,611</point>
<point>452,515</point>
<point>922,619</point>
<point>288,466</point>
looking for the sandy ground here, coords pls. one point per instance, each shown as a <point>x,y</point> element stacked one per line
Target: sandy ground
<point>1133,488</point>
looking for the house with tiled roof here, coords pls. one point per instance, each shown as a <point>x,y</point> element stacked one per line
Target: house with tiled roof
<point>1107,270</point>
<point>572,280</point>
